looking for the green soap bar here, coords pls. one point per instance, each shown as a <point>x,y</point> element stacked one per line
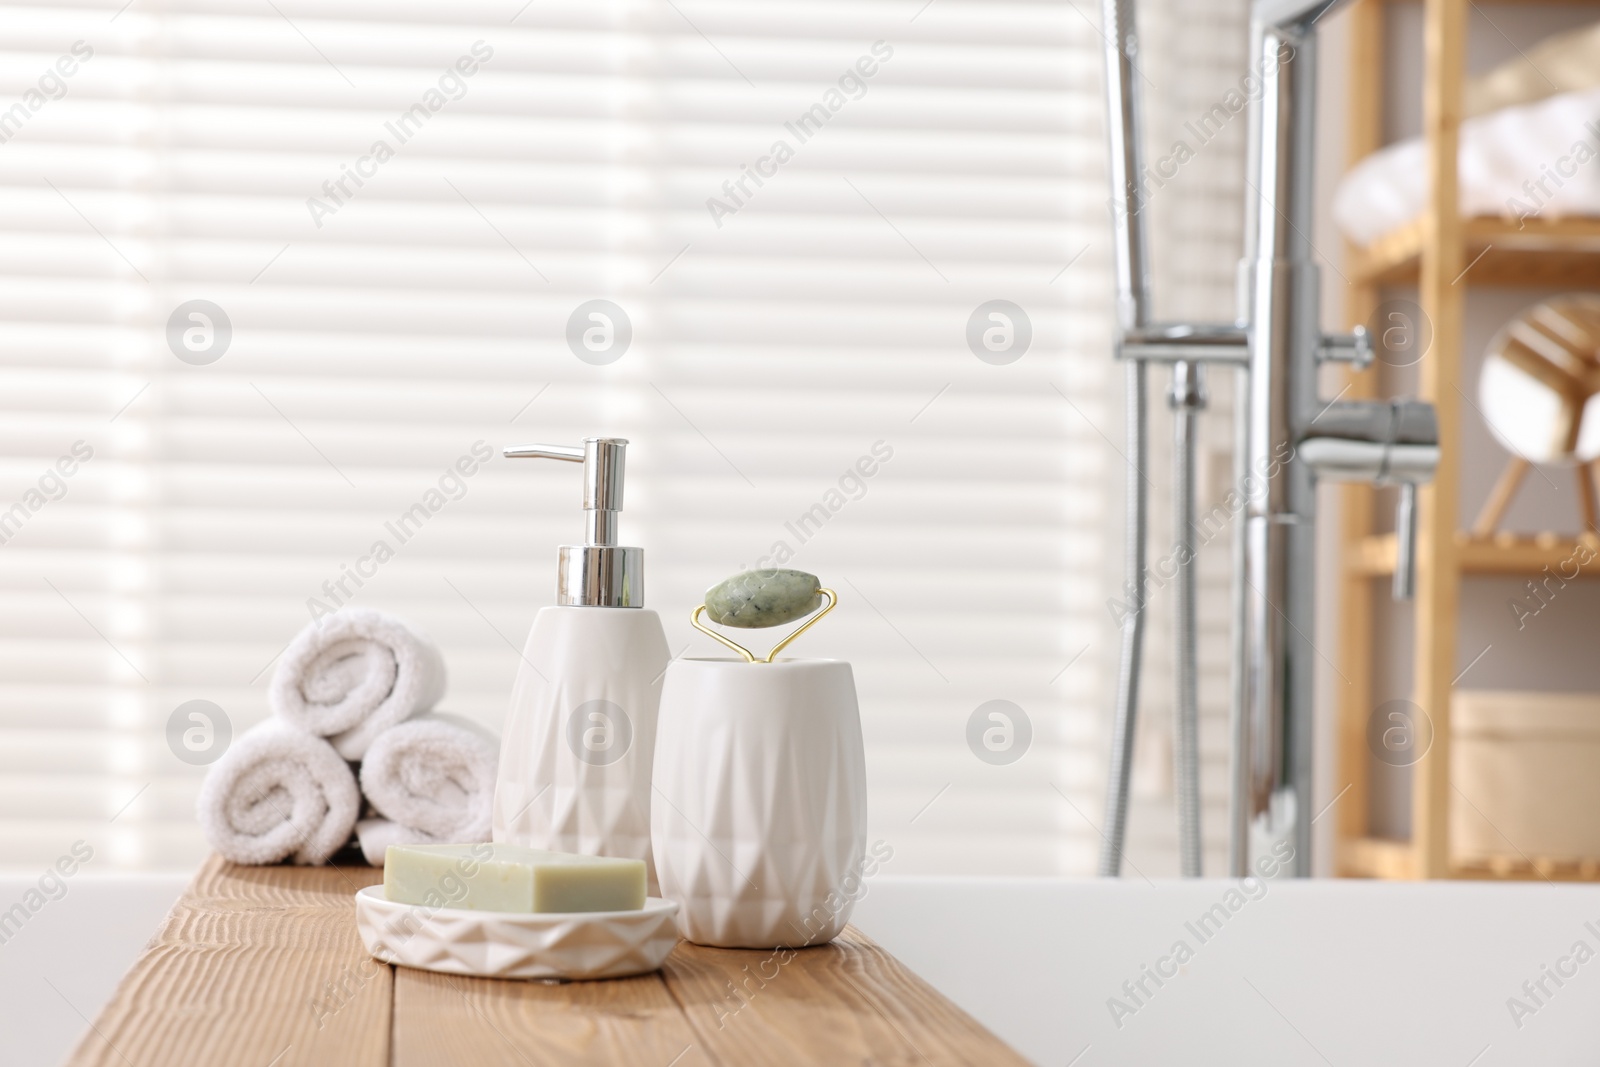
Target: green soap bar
<point>757,599</point>
<point>501,877</point>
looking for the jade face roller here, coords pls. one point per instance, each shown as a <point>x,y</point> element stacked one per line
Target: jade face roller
<point>759,599</point>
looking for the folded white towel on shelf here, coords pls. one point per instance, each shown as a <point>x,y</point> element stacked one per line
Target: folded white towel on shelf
<point>435,776</point>
<point>1530,161</point>
<point>376,835</point>
<point>277,794</point>
<point>354,674</point>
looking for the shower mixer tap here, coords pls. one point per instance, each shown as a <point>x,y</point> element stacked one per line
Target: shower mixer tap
<point>1287,439</point>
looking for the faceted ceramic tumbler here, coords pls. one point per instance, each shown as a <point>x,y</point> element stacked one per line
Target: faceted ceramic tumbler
<point>760,820</point>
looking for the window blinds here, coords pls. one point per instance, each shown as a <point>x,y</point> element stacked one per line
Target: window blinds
<point>269,272</point>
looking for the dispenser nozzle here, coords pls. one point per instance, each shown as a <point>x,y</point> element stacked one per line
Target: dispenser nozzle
<point>598,572</point>
<point>570,453</point>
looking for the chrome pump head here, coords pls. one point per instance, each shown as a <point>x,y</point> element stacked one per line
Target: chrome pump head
<point>598,573</point>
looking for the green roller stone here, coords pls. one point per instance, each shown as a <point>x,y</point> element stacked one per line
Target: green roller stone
<point>757,599</point>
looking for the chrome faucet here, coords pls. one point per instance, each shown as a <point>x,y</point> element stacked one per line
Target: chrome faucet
<point>1286,435</point>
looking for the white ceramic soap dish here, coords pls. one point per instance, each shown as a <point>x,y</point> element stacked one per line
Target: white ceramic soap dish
<point>501,944</point>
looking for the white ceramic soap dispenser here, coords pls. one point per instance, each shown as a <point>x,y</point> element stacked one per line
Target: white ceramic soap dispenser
<point>576,754</point>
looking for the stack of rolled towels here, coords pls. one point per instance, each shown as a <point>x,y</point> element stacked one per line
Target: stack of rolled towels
<point>353,750</point>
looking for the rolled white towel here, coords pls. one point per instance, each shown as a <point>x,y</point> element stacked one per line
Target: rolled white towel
<point>354,674</point>
<point>376,835</point>
<point>1500,155</point>
<point>434,775</point>
<point>279,794</point>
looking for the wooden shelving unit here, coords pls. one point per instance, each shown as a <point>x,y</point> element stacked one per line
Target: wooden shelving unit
<point>1442,254</point>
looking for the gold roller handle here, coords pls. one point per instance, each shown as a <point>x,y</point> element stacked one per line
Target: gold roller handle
<point>750,657</point>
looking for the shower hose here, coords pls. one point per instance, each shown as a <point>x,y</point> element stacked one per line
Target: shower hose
<point>1187,397</point>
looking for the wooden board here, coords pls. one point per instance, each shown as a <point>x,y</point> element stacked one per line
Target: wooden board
<point>441,1019</point>
<point>262,967</point>
<point>1375,857</point>
<point>1363,134</point>
<point>1373,556</point>
<point>1443,266</point>
<point>1530,869</point>
<point>1537,253</point>
<point>846,1002</point>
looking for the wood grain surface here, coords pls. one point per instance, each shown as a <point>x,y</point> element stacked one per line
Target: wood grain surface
<point>262,967</point>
